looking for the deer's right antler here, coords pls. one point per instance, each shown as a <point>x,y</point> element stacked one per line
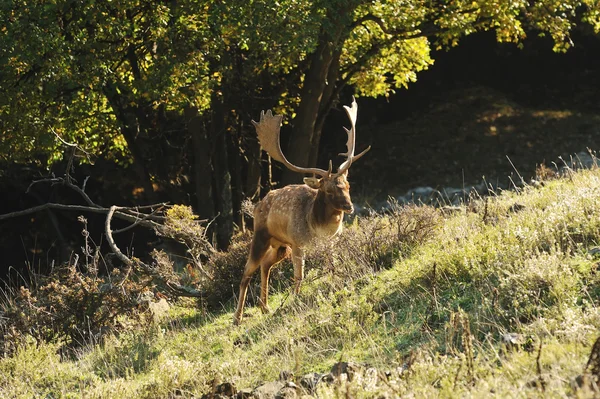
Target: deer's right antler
<point>267,130</point>
<point>352,112</point>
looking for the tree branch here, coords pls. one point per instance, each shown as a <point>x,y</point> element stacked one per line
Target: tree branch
<point>111,241</point>
<point>169,286</point>
<point>424,29</point>
<point>81,208</point>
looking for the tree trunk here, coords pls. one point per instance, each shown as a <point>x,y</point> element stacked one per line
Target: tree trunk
<point>253,178</point>
<point>130,130</point>
<point>235,169</point>
<point>202,167</point>
<point>327,103</point>
<point>224,228</point>
<point>315,81</point>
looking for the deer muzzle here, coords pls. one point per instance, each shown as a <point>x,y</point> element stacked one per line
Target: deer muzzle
<point>349,209</point>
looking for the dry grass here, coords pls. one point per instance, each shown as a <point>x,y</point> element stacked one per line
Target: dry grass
<point>495,300</point>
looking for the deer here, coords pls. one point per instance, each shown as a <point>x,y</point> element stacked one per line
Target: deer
<point>288,219</point>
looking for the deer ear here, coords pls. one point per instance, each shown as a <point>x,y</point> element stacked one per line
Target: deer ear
<point>313,182</point>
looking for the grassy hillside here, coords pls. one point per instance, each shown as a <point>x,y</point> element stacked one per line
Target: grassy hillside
<point>495,299</point>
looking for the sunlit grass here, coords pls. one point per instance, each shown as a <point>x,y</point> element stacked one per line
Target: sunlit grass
<point>433,314</point>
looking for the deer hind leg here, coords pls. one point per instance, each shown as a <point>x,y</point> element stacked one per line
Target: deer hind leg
<point>258,249</point>
<point>298,261</point>
<point>273,256</point>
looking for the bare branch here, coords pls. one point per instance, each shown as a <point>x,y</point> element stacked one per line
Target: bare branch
<point>169,286</point>
<point>67,143</point>
<point>133,212</point>
<point>379,22</point>
<point>81,208</point>
<point>137,222</point>
<point>111,241</point>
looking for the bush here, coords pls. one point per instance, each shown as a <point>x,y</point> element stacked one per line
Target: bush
<point>376,241</point>
<point>225,271</point>
<point>70,304</point>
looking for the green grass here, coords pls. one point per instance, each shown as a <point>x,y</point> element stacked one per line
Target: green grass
<point>437,310</point>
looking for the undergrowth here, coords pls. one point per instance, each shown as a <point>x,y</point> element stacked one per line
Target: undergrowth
<point>495,299</point>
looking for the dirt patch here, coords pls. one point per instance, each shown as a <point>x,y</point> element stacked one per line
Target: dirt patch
<point>464,136</point>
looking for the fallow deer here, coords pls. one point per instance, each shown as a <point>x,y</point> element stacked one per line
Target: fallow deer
<point>297,214</point>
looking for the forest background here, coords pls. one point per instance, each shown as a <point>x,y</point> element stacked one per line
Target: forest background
<point>158,99</point>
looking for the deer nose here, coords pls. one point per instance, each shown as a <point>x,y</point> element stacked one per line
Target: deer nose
<point>349,209</point>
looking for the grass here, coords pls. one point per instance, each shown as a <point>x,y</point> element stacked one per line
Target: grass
<point>434,314</point>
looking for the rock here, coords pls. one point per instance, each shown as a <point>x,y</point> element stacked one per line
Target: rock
<point>513,339</point>
<point>537,183</point>
<point>370,379</point>
<point>159,310</point>
<point>418,195</point>
<point>286,393</point>
<point>346,370</point>
<point>594,251</point>
<point>226,389</point>
<point>222,391</point>
<point>268,390</point>
<point>285,375</point>
<point>245,394</point>
<point>583,160</point>
<point>310,381</point>
<point>213,396</point>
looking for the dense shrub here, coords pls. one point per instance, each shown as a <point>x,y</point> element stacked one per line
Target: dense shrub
<point>72,303</point>
<point>374,242</point>
<point>225,271</point>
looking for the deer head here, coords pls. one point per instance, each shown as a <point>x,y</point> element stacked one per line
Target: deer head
<point>334,186</point>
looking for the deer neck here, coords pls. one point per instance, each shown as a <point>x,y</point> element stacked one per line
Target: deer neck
<point>325,220</point>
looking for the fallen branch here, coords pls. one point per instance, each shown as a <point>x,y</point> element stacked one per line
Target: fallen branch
<point>168,286</point>
<point>136,217</point>
<point>83,208</point>
<point>130,214</point>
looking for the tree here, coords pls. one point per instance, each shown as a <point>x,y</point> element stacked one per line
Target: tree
<point>136,81</point>
<point>379,46</point>
<point>100,74</point>
<point>169,88</point>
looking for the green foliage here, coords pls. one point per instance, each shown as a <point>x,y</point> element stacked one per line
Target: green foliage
<point>80,70</point>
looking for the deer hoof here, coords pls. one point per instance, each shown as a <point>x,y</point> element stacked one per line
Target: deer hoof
<point>237,319</point>
<point>297,287</point>
<point>265,309</point>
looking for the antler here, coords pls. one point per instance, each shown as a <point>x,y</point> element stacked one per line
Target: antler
<point>267,130</point>
<point>351,144</point>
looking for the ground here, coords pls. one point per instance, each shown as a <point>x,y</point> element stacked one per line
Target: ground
<point>466,135</point>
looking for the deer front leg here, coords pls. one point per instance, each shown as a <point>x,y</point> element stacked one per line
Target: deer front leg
<point>298,261</point>
<point>273,256</point>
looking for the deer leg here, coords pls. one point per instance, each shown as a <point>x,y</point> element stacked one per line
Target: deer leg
<point>272,257</point>
<point>258,248</point>
<point>298,261</point>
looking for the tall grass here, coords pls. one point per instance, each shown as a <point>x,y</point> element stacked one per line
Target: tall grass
<point>498,299</point>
